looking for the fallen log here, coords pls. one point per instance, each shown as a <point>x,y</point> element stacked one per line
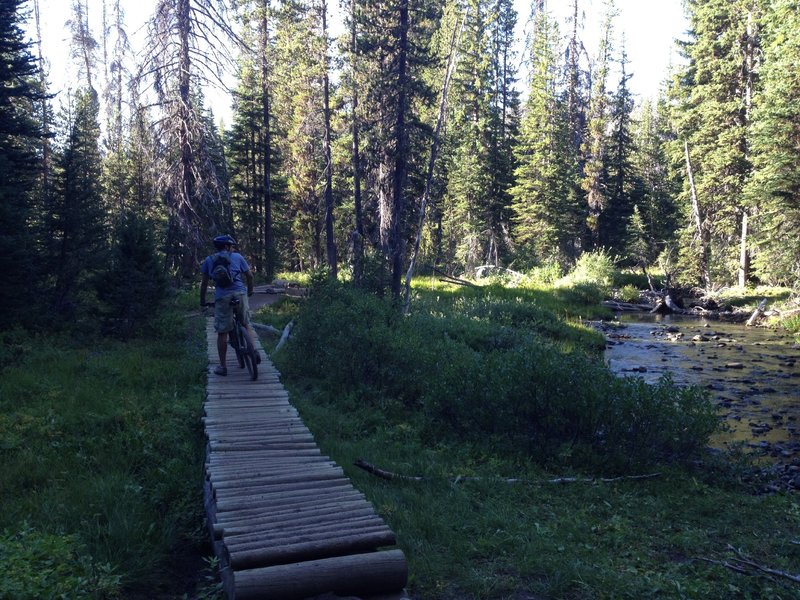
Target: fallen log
<point>452,279</point>
<point>286,332</point>
<point>265,328</point>
<point>360,575</point>
<point>757,313</point>
<point>369,468</point>
<point>626,306</point>
<point>312,550</point>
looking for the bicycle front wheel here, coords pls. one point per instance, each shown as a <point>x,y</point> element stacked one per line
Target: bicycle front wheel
<point>249,354</point>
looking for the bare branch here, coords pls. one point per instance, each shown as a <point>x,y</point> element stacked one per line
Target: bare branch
<point>383,474</point>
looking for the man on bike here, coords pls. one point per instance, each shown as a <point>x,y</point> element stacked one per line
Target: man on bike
<point>226,268</point>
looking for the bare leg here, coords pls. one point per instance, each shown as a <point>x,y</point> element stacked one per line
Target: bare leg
<point>222,347</point>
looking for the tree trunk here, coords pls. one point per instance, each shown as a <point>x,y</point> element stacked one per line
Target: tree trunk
<point>744,255</point>
<point>401,150</point>
<point>452,59</point>
<point>44,107</point>
<point>269,253</point>
<point>702,229</point>
<point>186,176</point>
<point>330,241</point>
<point>358,235</point>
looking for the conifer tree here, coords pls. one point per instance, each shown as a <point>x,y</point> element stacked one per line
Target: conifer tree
<point>469,187</point>
<point>393,52</point>
<point>595,146</point>
<point>117,119</point>
<point>482,127</point>
<point>548,213</point>
<point>75,223</point>
<point>132,284</point>
<point>505,127</point>
<point>20,138</point>
<point>251,147</point>
<point>774,191</point>
<point>83,45</point>
<point>300,129</point>
<point>712,118</point>
<point>620,171</point>
<point>655,187</point>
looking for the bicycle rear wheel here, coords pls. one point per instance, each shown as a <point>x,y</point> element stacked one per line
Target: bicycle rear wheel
<point>249,354</point>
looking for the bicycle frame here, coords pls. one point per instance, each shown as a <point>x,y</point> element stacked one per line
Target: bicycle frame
<point>242,344</point>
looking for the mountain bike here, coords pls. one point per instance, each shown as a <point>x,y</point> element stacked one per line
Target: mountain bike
<point>241,342</point>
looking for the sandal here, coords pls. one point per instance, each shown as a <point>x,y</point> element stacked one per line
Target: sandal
<point>220,370</point>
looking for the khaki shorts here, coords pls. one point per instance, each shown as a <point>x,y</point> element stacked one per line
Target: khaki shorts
<point>223,312</point>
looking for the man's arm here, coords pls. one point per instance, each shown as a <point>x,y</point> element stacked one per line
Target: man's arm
<point>203,289</point>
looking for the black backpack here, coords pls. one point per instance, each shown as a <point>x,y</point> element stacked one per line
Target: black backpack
<point>221,270</point>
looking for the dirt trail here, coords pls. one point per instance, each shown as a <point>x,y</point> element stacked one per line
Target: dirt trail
<point>261,297</point>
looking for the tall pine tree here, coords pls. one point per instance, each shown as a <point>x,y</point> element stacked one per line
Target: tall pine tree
<point>20,137</point>
<point>712,118</point>
<point>548,211</point>
<point>75,223</point>
<point>774,192</point>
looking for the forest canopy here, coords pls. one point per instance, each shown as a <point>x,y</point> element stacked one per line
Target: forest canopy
<point>409,139</point>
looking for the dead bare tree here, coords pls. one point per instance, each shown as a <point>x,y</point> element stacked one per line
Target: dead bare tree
<point>188,48</point>
<point>83,45</point>
<point>452,60</point>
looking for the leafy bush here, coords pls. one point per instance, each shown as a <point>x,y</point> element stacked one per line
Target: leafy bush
<point>485,369</point>
<point>629,293</point>
<point>39,565</point>
<point>581,293</point>
<point>546,274</point>
<point>592,267</point>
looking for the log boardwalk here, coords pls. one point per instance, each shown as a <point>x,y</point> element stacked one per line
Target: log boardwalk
<point>285,521</point>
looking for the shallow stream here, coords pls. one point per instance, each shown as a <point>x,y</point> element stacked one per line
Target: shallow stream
<point>752,373</point>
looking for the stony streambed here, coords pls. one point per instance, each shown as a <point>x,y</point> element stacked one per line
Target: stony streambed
<point>752,374</point>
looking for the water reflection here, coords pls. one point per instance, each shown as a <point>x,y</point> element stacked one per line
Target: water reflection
<point>753,374</point>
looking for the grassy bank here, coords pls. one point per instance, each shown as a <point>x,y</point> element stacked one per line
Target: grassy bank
<point>101,447</point>
<point>449,394</point>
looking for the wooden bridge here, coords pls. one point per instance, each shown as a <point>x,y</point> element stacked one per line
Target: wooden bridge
<point>286,523</point>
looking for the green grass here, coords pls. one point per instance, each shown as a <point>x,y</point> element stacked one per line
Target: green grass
<point>101,452</point>
<point>369,395</point>
<point>749,298</point>
<point>102,449</point>
<point>493,540</point>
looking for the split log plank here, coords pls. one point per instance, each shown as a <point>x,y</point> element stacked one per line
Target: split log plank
<point>311,550</point>
<point>361,574</point>
<point>316,534</point>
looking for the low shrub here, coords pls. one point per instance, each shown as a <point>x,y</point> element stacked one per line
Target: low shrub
<point>39,565</point>
<point>629,293</point>
<point>492,370</point>
<point>546,274</point>
<point>597,268</point>
<point>581,293</point>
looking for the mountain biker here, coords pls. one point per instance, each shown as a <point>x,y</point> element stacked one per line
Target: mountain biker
<point>237,268</point>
